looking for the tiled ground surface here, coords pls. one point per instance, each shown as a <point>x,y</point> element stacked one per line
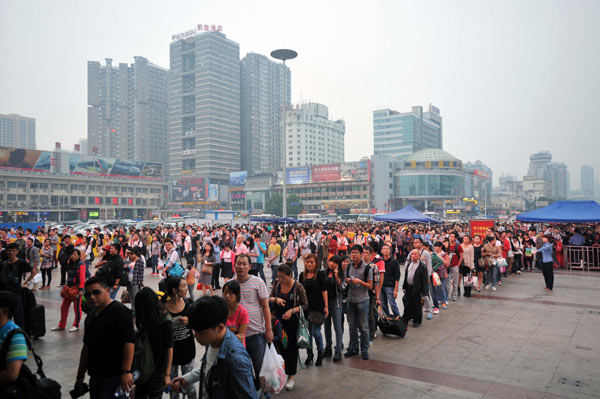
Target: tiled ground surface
<point>517,342</point>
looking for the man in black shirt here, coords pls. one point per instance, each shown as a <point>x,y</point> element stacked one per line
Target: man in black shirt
<point>66,249</point>
<point>12,271</point>
<point>391,281</point>
<point>111,272</point>
<point>108,343</point>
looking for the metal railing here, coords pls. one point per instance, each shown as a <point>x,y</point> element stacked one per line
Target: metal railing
<point>582,257</point>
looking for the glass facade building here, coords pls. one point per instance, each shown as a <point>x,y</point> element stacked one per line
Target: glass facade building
<point>401,134</point>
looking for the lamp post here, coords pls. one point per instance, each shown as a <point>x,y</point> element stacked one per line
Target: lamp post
<point>284,55</point>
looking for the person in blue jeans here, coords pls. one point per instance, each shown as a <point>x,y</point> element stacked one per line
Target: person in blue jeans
<point>335,277</point>
<point>359,280</point>
<point>315,285</point>
<point>391,282</point>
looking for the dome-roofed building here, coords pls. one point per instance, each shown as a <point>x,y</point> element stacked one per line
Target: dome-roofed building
<point>434,180</point>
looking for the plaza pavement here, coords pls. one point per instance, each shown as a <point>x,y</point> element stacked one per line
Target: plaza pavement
<point>517,342</point>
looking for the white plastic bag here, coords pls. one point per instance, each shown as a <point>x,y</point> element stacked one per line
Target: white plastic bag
<point>272,373</point>
<point>161,264</point>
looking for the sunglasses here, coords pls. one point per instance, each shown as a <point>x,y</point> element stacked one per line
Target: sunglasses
<point>87,295</point>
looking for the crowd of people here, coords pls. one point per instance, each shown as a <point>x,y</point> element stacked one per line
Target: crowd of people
<point>350,275</point>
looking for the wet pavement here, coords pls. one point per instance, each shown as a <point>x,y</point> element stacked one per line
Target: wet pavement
<point>517,342</point>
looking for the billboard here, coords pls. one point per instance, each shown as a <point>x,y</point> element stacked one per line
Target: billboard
<point>152,169</point>
<point>93,166</point>
<point>127,168</point>
<point>238,179</point>
<point>480,226</point>
<point>213,192</point>
<point>298,175</point>
<point>354,171</point>
<point>326,173</point>
<point>19,159</point>
<point>189,190</point>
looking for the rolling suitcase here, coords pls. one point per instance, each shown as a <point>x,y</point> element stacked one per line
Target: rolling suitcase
<point>390,325</point>
<point>37,321</point>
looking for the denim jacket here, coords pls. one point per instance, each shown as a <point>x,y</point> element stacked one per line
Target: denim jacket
<point>231,376</point>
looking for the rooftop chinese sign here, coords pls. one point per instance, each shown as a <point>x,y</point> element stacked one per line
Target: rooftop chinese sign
<point>198,29</point>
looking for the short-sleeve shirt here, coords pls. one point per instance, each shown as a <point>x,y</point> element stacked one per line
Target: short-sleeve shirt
<point>314,288</point>
<point>239,318</point>
<point>18,346</point>
<point>105,335</point>
<point>456,250</point>
<point>251,292</point>
<point>261,255</point>
<point>274,251</point>
<point>358,293</point>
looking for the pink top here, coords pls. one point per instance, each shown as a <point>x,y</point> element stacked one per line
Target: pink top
<point>239,318</point>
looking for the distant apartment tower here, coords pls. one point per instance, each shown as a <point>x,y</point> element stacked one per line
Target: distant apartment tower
<point>312,138</point>
<point>400,134</point>
<point>559,176</point>
<point>17,131</point>
<point>127,110</point>
<point>204,107</point>
<point>538,165</point>
<point>587,181</point>
<point>262,105</point>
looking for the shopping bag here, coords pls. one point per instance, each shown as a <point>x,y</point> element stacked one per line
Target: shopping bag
<point>161,264</point>
<point>476,281</point>
<point>436,279</point>
<point>468,281</point>
<point>272,373</point>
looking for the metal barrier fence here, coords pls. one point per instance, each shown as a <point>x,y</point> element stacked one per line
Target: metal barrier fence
<point>582,258</point>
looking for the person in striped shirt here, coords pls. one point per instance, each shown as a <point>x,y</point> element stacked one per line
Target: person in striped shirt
<point>17,349</point>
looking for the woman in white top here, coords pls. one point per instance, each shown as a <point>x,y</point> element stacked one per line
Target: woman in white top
<point>468,263</point>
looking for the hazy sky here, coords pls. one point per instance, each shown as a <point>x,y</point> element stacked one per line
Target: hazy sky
<point>510,77</point>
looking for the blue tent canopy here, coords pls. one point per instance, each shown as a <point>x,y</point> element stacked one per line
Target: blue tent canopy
<point>564,212</point>
<point>408,214</point>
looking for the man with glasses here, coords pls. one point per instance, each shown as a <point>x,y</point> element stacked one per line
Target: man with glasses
<point>108,343</point>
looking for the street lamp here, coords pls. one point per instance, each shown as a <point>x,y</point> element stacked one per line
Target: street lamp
<point>284,55</point>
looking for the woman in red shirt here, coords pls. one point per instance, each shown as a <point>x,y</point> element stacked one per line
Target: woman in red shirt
<point>238,318</point>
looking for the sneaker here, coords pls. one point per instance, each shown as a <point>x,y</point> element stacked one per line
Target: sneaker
<point>429,316</point>
<point>454,298</point>
<point>73,329</point>
<point>444,306</point>
<point>518,272</point>
<point>350,354</point>
<point>365,356</point>
<point>500,283</point>
<point>416,325</point>
<point>436,311</point>
<point>290,385</point>
<point>487,287</point>
<point>493,288</point>
<point>57,329</point>
<point>337,356</point>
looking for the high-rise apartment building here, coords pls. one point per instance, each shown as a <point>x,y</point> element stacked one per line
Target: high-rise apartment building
<point>587,181</point>
<point>312,138</point>
<point>204,106</point>
<point>127,110</point>
<point>559,176</point>
<point>400,134</point>
<point>261,113</point>
<point>17,131</point>
<point>538,165</point>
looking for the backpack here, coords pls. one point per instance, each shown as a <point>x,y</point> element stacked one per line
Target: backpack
<point>10,278</point>
<point>37,243</point>
<point>313,247</point>
<point>143,356</point>
<point>28,384</point>
<point>365,277</point>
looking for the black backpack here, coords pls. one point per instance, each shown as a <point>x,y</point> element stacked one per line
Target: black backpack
<point>313,247</point>
<point>28,384</point>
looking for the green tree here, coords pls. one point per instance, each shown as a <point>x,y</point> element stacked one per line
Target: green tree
<point>274,205</point>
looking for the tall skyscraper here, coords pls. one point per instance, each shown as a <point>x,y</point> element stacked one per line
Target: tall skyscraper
<point>559,176</point>
<point>127,110</point>
<point>204,106</point>
<point>261,113</point>
<point>538,165</point>
<point>587,181</point>
<point>400,134</point>
<point>312,138</point>
<point>17,131</point>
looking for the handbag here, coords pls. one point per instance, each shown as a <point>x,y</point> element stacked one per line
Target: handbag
<point>501,262</point>
<point>468,281</point>
<point>316,318</point>
<point>303,340</point>
<point>69,293</point>
<point>124,281</point>
<point>206,269</point>
<point>436,279</point>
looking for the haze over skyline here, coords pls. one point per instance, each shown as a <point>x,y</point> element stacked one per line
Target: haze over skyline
<point>510,78</point>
